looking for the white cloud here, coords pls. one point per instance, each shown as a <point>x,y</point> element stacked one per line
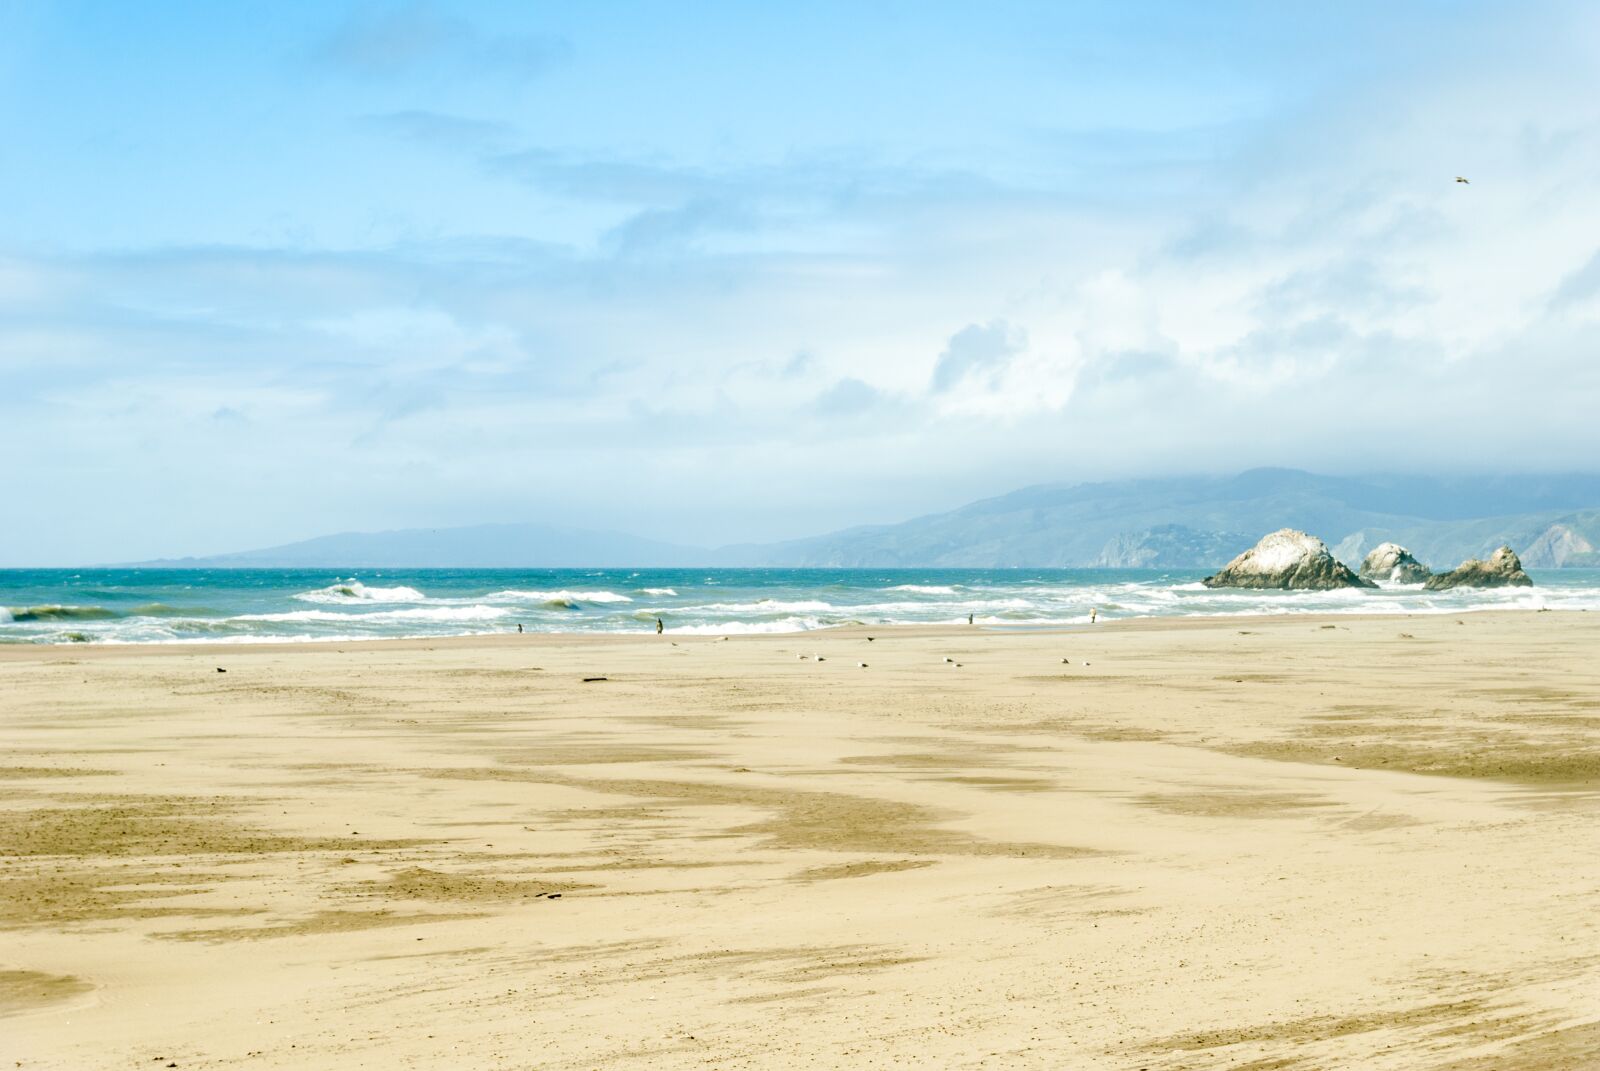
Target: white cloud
<point>767,348</point>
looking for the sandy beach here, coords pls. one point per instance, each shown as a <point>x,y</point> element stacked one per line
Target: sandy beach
<point>1287,842</point>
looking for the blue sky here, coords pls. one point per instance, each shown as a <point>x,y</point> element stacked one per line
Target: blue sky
<point>718,273</point>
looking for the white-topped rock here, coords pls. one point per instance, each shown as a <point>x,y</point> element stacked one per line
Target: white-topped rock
<point>1393,563</point>
<point>1502,570</point>
<point>1290,560</point>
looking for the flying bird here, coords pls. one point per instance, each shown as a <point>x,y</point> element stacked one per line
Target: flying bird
<point>1463,181</point>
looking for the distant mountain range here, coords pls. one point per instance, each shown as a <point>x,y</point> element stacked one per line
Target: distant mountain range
<point>1202,522</point>
<point>1174,523</point>
<point>482,546</point>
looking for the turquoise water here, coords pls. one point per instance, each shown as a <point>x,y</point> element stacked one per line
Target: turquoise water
<point>253,605</point>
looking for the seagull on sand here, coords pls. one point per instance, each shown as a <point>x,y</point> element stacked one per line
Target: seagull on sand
<point>1463,181</point>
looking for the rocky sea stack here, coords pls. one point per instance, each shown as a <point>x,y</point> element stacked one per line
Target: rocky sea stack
<point>1502,570</point>
<point>1290,560</point>
<point>1393,563</point>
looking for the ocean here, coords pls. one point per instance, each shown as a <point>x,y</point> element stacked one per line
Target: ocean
<point>274,605</point>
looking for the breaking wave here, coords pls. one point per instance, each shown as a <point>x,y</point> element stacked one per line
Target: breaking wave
<point>346,591</point>
<point>58,613</point>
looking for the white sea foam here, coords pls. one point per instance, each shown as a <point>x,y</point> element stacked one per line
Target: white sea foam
<point>566,598</point>
<point>764,606</point>
<point>658,591</point>
<point>778,606</point>
<point>320,637</point>
<point>749,628</point>
<point>421,613</point>
<point>346,591</point>
<point>925,589</point>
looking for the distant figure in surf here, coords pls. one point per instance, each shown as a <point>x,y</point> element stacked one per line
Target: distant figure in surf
<point>969,619</point>
<point>659,626</point>
<point>1094,612</point>
<point>519,628</point>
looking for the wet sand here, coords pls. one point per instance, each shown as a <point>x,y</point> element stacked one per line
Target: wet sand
<point>1243,843</point>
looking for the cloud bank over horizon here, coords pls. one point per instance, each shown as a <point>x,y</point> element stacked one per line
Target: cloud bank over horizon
<point>751,275</point>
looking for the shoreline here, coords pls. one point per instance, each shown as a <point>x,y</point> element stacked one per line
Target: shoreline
<point>287,608</point>
<point>493,639</point>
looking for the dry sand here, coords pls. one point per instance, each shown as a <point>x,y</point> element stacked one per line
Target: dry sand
<point>1247,843</point>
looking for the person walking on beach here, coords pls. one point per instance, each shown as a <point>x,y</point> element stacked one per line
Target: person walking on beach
<point>659,626</point>
<point>1094,612</point>
<point>969,619</point>
<point>519,628</point>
